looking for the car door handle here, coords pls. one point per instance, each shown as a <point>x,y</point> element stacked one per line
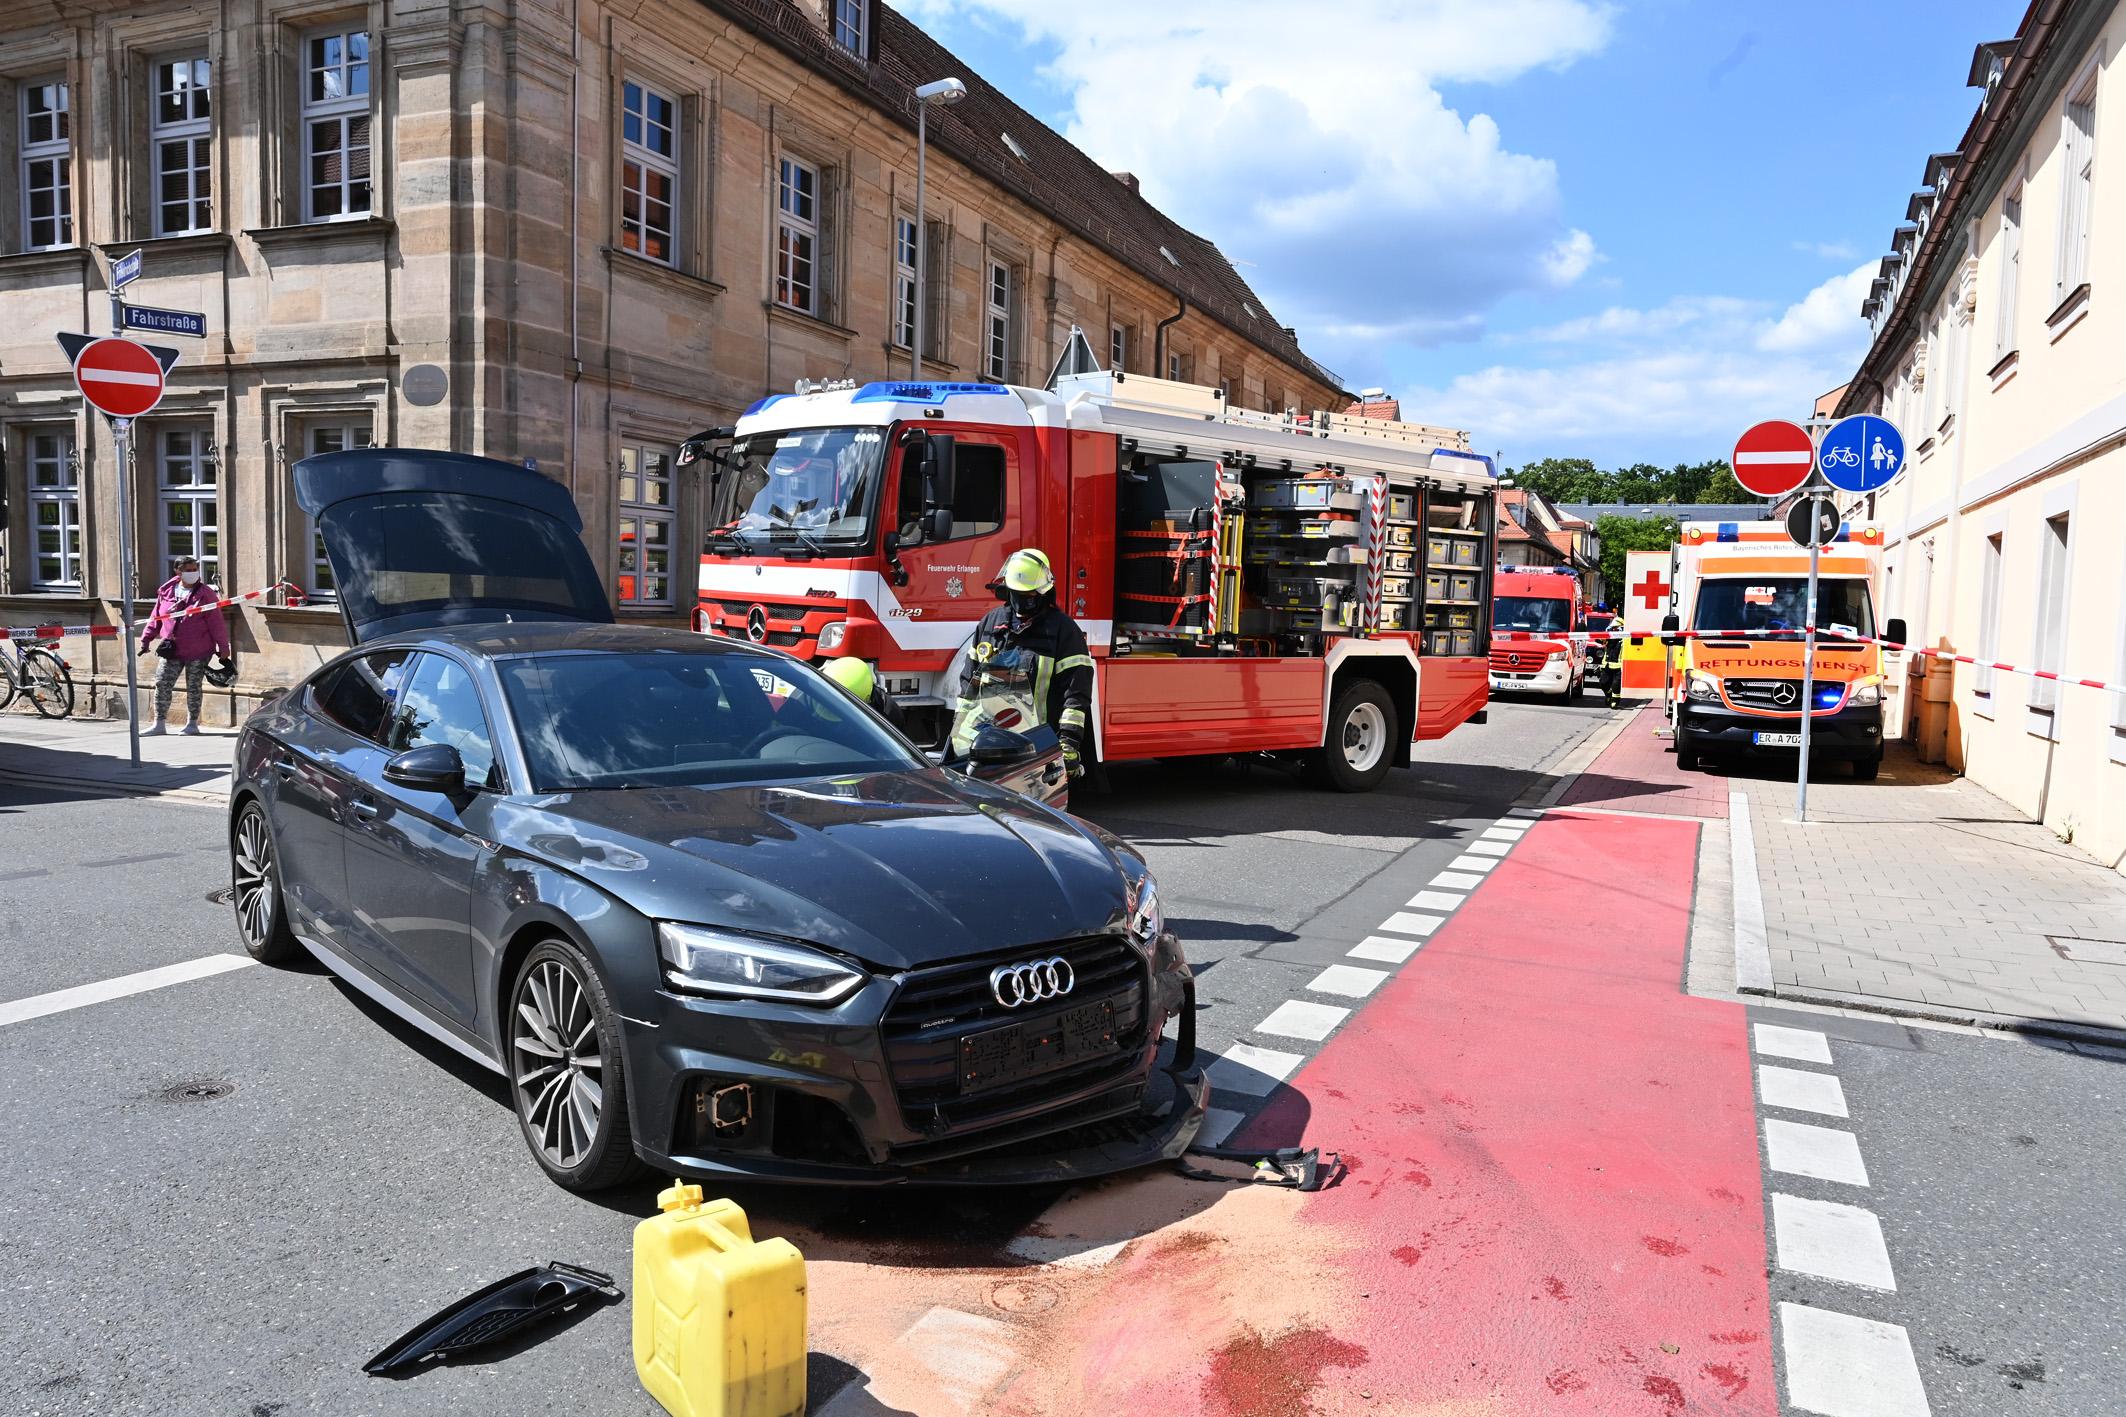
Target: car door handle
<point>284,766</point>
<point>365,809</point>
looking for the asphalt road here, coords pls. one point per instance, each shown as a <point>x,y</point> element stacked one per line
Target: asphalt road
<point>225,1195</point>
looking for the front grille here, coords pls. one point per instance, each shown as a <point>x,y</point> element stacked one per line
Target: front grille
<point>728,618</point>
<point>1531,659</point>
<point>1765,694</point>
<point>935,1008</point>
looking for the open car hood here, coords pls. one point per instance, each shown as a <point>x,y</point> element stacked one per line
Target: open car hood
<point>419,538</point>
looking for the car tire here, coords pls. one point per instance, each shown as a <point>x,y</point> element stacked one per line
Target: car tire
<point>1687,759</point>
<point>255,889</point>
<point>570,1099</point>
<point>1361,742</point>
<point>1865,769</point>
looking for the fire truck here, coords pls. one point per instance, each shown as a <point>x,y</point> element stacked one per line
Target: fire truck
<point>1315,585</point>
<point>1528,604</point>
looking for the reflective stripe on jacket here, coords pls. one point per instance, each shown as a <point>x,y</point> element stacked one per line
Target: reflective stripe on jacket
<point>1050,656</point>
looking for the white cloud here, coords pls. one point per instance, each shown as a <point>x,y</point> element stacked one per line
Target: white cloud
<point>1828,250</point>
<point>1829,314</point>
<point>1319,147</point>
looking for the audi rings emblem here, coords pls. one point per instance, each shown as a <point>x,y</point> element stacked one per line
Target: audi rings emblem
<point>1031,982</point>
<point>1785,694</point>
<point>757,624</point>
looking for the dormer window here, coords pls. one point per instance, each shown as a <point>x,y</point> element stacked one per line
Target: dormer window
<point>852,26</point>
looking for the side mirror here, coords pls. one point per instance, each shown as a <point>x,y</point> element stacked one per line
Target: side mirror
<point>1897,633</point>
<point>432,767</point>
<point>1670,623</point>
<point>940,477</point>
<point>937,524</point>
<point>998,747</point>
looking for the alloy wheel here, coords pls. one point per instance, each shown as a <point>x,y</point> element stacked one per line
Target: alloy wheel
<point>558,1070</point>
<point>251,869</point>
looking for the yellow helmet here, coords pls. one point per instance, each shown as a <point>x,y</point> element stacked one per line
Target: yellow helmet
<point>1027,571</point>
<point>854,675</point>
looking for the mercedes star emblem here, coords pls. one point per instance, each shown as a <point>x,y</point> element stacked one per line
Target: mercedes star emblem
<point>757,624</point>
<point>1032,981</point>
<point>1785,694</point>
<point>1514,660</point>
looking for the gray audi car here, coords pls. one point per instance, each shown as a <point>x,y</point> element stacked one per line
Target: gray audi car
<point>699,908</point>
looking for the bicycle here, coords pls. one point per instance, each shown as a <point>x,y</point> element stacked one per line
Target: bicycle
<point>38,673</point>
<point>1841,457</point>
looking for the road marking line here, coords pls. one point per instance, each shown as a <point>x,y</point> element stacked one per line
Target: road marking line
<point>1803,1149</point>
<point>1502,833</point>
<point>1842,1366</point>
<point>1243,1067</point>
<point>1533,814</point>
<point>1458,880</point>
<point>1348,980</point>
<point>1831,1241</point>
<point>1798,1091</point>
<point>1489,848</point>
<point>81,995</point>
<point>1218,1124</point>
<point>1382,948</point>
<point>1069,1254</point>
<point>1803,1045</point>
<point>1300,1018</point>
<point>966,1353</point>
<point>1402,922</point>
<point>1753,948</point>
<point>1471,863</point>
<point>1435,900</point>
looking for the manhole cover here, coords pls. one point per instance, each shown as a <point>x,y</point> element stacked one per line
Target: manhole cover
<point>221,896</point>
<point>1022,1296</point>
<point>199,1090</point>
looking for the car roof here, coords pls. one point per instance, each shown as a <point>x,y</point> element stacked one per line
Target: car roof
<point>496,640</point>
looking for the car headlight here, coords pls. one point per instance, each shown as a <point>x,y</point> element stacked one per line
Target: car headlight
<point>1557,656</point>
<point>699,960</point>
<point>832,634</point>
<point>1702,687</point>
<point>1147,922</point>
<point>1865,694</point>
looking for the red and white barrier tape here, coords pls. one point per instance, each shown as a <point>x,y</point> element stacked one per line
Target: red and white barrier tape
<point>1971,660</point>
<point>293,596</point>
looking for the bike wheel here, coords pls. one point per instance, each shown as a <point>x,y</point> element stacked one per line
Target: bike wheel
<point>49,683</point>
<point>7,682</point>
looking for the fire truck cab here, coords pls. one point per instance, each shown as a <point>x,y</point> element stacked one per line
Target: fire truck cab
<point>1529,605</point>
<point>1248,582</point>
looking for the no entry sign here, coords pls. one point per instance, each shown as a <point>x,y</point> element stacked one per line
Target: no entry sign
<point>118,377</point>
<point>1774,458</point>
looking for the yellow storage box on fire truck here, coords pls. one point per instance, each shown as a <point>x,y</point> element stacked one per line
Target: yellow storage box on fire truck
<point>719,1317</point>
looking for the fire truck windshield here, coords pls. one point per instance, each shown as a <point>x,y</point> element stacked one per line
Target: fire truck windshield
<point>1547,614</point>
<point>1771,604</point>
<point>815,486</point>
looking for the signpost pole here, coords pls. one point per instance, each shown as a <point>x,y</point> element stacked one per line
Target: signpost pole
<point>1808,689</point>
<point>122,432</point>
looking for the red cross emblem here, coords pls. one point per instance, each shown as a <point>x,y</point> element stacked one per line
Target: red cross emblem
<point>1653,590</point>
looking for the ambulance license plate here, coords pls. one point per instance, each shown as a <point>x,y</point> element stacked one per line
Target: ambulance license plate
<point>1776,740</point>
<point>1023,1050</point>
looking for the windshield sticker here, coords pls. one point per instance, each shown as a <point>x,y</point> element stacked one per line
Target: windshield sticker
<point>1759,594</point>
<point>1838,629</point>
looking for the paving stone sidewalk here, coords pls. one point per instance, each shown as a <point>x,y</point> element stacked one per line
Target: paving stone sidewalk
<point>90,755</point>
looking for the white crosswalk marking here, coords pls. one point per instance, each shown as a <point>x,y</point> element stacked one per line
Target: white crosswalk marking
<point>1800,1149</point>
<point>1803,1045</point>
<point>1405,923</point>
<point>1458,880</point>
<point>1242,1067</point>
<point>104,990</point>
<point>1831,1241</point>
<point>1218,1124</point>
<point>1471,863</point>
<point>1798,1091</point>
<point>1298,1018</point>
<point>1381,948</point>
<point>1435,900</point>
<point>1348,980</point>
<point>1503,833</point>
<point>1489,848</point>
<point>1842,1366</point>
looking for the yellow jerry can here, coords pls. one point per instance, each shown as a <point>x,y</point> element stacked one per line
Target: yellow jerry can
<point>719,1319</point>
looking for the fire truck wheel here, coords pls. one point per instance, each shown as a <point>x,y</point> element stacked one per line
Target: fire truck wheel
<point>1361,743</point>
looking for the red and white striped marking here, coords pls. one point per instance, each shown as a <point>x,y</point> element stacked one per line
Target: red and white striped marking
<point>293,596</point>
<point>1971,660</point>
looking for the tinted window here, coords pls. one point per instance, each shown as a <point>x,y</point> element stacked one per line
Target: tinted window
<point>977,491</point>
<point>1781,603</point>
<point>686,719</point>
<point>440,704</point>
<point>359,695</point>
<point>1528,612</point>
<point>405,553</point>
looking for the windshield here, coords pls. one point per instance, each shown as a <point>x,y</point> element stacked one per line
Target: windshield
<point>687,719</point>
<point>803,486</point>
<point>1774,603</point>
<point>1551,614</point>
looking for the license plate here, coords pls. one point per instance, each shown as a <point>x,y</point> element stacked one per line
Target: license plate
<point>1017,1051</point>
<point>1776,740</point>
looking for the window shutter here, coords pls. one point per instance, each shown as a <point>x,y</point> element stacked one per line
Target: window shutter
<point>937,291</point>
<point>827,266</point>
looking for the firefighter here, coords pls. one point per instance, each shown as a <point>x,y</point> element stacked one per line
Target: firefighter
<point>1612,654</point>
<point>1028,647</point>
<point>860,681</point>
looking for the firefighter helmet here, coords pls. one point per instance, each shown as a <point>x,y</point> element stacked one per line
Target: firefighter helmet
<point>1027,572</point>
<point>854,675</point>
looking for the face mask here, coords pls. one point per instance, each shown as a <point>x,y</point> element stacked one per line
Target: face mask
<point>190,578</point>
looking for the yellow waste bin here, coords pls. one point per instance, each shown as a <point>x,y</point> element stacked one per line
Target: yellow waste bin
<point>719,1318</point>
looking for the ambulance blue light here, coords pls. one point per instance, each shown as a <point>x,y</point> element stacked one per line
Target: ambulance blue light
<point>1729,531</point>
<point>896,391</point>
<point>768,402</point>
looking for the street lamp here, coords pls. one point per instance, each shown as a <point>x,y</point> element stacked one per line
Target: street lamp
<point>943,93</point>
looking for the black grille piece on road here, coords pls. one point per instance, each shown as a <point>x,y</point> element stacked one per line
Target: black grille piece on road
<point>1779,695</point>
<point>936,1008</point>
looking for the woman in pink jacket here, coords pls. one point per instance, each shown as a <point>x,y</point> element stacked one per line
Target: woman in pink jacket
<point>189,641</point>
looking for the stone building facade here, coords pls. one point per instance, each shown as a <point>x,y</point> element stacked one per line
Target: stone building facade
<point>569,232</point>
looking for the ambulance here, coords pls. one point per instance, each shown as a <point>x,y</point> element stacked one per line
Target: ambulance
<point>1741,588</point>
<point>1534,610</point>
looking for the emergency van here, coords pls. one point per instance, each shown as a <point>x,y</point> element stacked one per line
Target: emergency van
<point>1529,603</point>
<point>1742,590</point>
<point>1315,585</point>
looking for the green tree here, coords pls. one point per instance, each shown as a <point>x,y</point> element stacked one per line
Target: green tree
<point>1712,481</point>
<point>1622,534</point>
<point>1563,479</point>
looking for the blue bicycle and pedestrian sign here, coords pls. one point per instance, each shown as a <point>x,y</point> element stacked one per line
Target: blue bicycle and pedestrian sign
<point>1862,453</point>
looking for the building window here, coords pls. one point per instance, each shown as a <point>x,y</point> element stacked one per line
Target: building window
<point>1177,366</point>
<point>55,510</point>
<point>336,125</point>
<point>2078,166</point>
<point>904,282</point>
<point>2051,612</point>
<point>2011,275</point>
<point>181,140</point>
<point>996,342</point>
<point>185,480</point>
<point>852,24</point>
<point>47,167</point>
<point>797,236</point>
<point>647,515</point>
<point>1118,348</point>
<point>649,172</point>
<point>329,436</point>
<point>1989,615</point>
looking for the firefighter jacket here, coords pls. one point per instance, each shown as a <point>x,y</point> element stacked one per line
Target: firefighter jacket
<point>1048,661</point>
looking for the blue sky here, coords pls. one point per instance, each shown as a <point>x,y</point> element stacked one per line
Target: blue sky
<point>1623,231</point>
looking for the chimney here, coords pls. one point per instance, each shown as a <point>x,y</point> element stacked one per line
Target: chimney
<point>1129,180</point>
<point>1375,403</point>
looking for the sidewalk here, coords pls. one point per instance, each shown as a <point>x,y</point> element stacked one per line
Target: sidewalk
<point>88,755</point>
<point>1919,893</point>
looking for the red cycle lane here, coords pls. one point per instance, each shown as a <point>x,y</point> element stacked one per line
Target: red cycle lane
<point>1554,1203</point>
